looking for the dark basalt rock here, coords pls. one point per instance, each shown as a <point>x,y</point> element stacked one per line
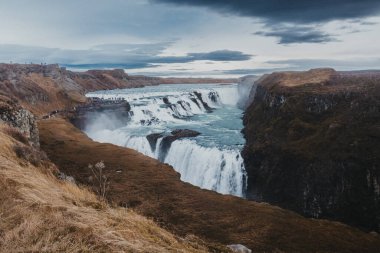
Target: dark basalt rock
<point>14,115</point>
<point>205,105</point>
<point>315,148</point>
<point>119,111</point>
<point>166,100</point>
<point>182,133</point>
<point>183,104</point>
<point>195,101</point>
<point>127,106</point>
<point>149,122</point>
<point>175,135</point>
<point>214,96</point>
<point>152,139</point>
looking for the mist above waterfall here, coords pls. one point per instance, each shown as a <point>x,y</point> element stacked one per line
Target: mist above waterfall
<point>210,160</point>
<point>104,120</point>
<point>246,91</point>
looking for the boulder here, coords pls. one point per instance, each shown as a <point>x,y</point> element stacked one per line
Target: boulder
<point>175,135</point>
<point>238,248</point>
<point>152,139</point>
<point>23,120</point>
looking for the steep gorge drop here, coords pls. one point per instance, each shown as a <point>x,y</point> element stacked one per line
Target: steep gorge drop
<point>194,128</point>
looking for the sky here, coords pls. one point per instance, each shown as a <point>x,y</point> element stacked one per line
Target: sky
<point>192,38</point>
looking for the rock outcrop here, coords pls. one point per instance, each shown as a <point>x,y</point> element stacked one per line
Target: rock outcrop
<point>205,105</point>
<point>168,139</point>
<point>238,248</point>
<point>23,120</point>
<point>115,113</point>
<point>40,88</point>
<point>152,139</point>
<point>313,144</point>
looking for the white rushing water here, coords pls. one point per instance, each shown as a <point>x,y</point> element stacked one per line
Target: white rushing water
<point>211,160</point>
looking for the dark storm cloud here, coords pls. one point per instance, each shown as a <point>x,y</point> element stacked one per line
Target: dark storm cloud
<point>293,11</point>
<point>249,71</point>
<point>297,34</point>
<point>109,65</point>
<point>296,12</point>
<point>306,64</point>
<point>127,56</point>
<point>347,64</point>
<point>221,55</point>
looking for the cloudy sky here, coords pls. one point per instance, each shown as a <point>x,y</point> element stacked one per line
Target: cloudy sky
<point>192,37</point>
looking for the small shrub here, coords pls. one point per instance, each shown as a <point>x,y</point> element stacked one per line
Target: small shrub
<point>99,180</point>
<point>30,154</point>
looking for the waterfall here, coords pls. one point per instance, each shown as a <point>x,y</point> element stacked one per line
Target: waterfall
<point>217,168</point>
<point>209,168</point>
<point>221,170</point>
<point>166,107</point>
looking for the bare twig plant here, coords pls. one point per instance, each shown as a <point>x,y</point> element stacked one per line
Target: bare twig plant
<point>100,180</point>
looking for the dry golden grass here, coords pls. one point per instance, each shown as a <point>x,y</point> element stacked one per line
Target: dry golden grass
<point>297,78</point>
<point>39,213</point>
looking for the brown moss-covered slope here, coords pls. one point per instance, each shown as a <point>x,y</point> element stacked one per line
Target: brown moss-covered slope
<point>155,190</point>
<point>313,144</point>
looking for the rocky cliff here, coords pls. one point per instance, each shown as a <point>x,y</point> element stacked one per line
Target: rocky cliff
<point>313,144</point>
<point>40,88</point>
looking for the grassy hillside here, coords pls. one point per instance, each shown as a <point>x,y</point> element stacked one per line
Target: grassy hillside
<point>40,213</point>
<point>155,190</point>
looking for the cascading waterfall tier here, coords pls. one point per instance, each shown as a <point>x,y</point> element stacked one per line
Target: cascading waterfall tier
<point>210,159</point>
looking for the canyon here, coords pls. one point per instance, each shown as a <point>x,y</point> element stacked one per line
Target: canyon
<point>299,128</point>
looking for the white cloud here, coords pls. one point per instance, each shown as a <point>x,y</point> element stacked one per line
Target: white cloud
<point>70,32</point>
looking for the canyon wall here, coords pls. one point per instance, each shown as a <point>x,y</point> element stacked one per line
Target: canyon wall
<point>313,144</point>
